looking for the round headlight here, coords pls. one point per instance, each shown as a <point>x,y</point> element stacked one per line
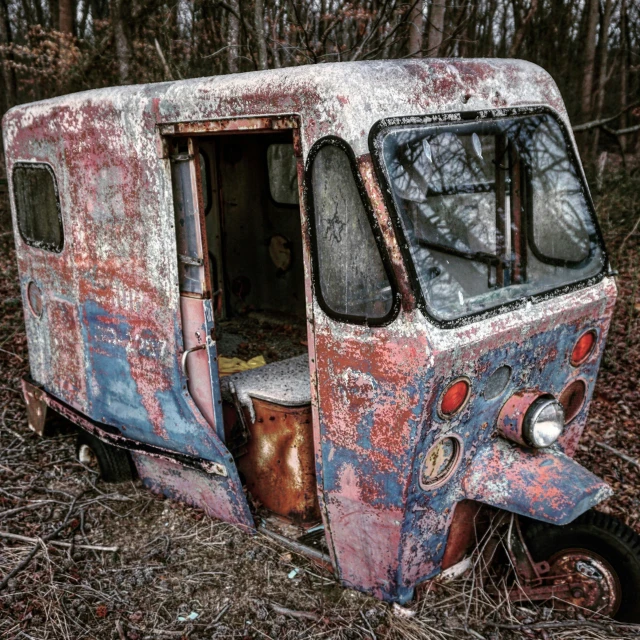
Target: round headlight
<point>543,423</point>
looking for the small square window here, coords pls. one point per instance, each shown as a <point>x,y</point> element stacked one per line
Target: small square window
<point>38,206</point>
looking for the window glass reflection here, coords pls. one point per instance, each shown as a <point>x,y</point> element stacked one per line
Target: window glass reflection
<point>493,211</point>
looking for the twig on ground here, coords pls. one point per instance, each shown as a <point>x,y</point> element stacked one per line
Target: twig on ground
<point>366,623</point>
<point>35,505</point>
<point>11,353</point>
<point>564,624</point>
<point>624,456</point>
<point>10,389</point>
<point>303,615</point>
<point>21,565</point>
<point>624,241</point>
<point>473,633</point>
<point>57,543</point>
<point>120,630</point>
<point>217,619</point>
<point>40,544</point>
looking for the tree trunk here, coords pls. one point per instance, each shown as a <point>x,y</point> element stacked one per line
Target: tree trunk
<point>261,40</point>
<point>8,73</point>
<point>65,16</point>
<point>54,13</point>
<point>522,29</point>
<point>122,45</point>
<point>624,70</point>
<point>414,41</point>
<point>275,54</point>
<point>233,38</point>
<point>589,60</point>
<point>602,71</point>
<point>436,28</point>
<point>82,26</point>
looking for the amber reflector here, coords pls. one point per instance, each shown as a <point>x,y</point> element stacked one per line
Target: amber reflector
<point>571,400</point>
<point>583,348</point>
<point>454,397</point>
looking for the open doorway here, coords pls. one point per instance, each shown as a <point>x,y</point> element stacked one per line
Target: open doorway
<point>254,240</point>
<point>252,252</point>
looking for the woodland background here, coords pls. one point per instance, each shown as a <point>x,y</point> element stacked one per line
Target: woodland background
<point>80,559</point>
<point>590,47</point>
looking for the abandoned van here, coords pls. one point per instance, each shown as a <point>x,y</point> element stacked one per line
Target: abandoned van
<point>360,307</point>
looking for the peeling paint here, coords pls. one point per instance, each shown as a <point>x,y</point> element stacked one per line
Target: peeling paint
<point>109,340</point>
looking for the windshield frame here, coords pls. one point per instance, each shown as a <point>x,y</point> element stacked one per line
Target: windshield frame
<point>462,117</point>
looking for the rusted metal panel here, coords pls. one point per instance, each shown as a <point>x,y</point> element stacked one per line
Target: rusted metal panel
<point>66,351</point>
<point>36,407</point>
<point>229,125</point>
<point>111,436</point>
<point>465,529</point>
<point>279,466</point>
<point>542,484</point>
<point>194,487</point>
<point>194,329</point>
<point>213,485</point>
<point>372,380</point>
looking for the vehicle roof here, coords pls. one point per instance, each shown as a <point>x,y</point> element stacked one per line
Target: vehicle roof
<point>343,99</point>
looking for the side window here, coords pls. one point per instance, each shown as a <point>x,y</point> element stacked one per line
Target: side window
<point>561,233</point>
<point>283,173</point>
<point>352,278</point>
<point>38,206</point>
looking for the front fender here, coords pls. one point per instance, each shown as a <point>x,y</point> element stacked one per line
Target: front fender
<point>543,484</point>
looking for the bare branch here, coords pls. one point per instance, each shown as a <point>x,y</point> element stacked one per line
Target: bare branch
<point>599,123</point>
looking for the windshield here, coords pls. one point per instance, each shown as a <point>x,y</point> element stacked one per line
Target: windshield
<point>492,211</point>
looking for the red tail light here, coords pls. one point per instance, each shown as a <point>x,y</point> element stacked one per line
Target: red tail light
<point>583,348</point>
<point>454,398</point>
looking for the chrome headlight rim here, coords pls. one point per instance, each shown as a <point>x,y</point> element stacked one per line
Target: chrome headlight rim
<point>532,419</point>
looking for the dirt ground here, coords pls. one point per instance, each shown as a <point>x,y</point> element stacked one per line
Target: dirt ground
<point>178,574</point>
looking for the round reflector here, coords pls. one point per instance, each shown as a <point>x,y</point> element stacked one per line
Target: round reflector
<point>34,296</point>
<point>583,348</point>
<point>454,398</point>
<point>572,398</point>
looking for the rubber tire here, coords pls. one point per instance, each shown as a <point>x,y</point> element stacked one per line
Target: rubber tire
<point>594,531</point>
<point>115,464</point>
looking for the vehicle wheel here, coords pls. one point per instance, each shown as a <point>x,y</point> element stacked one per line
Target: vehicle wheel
<point>113,464</point>
<point>597,546</point>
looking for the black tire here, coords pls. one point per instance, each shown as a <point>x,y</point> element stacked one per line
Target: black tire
<point>114,465</point>
<point>603,535</point>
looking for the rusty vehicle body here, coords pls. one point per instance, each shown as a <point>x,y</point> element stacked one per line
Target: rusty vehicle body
<point>170,223</point>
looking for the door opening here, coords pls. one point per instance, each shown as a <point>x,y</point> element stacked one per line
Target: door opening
<point>253,243</point>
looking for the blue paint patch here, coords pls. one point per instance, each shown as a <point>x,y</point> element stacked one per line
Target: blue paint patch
<point>114,398</point>
<point>538,362</point>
